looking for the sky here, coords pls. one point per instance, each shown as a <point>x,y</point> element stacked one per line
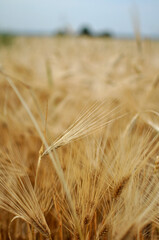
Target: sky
<point>46,16</point>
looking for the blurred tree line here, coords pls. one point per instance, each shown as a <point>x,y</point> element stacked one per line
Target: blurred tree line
<point>85,31</point>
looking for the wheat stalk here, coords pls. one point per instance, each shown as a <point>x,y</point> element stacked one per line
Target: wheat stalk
<point>17,196</point>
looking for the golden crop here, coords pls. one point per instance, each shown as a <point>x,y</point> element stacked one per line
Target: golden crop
<point>79,139</point>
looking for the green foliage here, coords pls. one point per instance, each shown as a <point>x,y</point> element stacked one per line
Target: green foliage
<point>85,31</point>
<point>6,39</point>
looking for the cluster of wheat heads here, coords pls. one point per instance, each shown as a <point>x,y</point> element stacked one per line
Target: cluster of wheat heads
<point>97,180</point>
<point>92,178</point>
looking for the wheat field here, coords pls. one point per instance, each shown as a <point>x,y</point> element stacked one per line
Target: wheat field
<point>79,139</point>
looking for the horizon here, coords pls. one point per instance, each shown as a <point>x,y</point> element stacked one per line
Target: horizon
<point>115,17</point>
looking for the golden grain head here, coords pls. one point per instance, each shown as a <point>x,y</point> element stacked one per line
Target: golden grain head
<point>79,139</point>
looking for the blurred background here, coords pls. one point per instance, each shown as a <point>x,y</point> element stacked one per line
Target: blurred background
<point>117,18</point>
